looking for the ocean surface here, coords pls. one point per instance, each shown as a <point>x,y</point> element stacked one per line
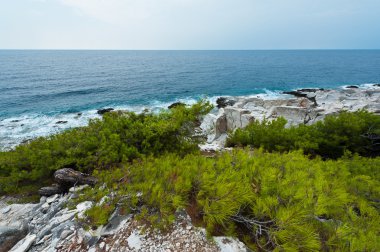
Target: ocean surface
<point>39,88</point>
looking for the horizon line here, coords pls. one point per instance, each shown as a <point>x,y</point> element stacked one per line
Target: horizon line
<point>109,49</point>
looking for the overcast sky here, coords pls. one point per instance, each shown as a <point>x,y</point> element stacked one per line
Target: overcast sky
<point>189,24</point>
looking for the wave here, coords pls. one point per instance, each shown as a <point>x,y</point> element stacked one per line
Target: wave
<point>15,130</point>
<point>18,129</point>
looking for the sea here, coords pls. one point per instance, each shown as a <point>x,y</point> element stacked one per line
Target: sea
<point>43,92</point>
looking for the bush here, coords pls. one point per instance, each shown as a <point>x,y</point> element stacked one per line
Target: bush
<point>357,132</point>
<point>104,143</point>
<point>271,201</point>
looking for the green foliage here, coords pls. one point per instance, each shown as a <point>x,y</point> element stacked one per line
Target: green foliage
<point>357,132</point>
<point>272,201</point>
<point>148,164</point>
<point>117,137</point>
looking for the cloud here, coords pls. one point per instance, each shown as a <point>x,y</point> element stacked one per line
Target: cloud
<point>124,11</point>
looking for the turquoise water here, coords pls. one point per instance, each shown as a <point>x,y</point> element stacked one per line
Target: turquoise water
<point>39,87</point>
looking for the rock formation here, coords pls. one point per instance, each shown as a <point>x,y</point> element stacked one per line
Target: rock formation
<point>303,106</point>
<point>50,226</point>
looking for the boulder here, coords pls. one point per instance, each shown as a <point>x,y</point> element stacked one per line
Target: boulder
<point>234,117</point>
<point>68,177</point>
<point>51,190</point>
<point>352,86</point>
<point>223,102</point>
<point>176,104</point>
<point>9,236</point>
<point>103,111</point>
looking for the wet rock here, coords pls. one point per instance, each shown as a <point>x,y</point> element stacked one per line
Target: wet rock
<point>295,93</point>
<point>103,111</point>
<point>310,90</point>
<point>223,102</point>
<point>61,122</point>
<point>68,177</point>
<point>176,104</point>
<point>352,86</point>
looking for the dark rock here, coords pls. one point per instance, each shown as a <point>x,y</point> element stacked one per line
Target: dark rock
<point>25,141</point>
<point>352,86</point>
<point>68,177</point>
<point>103,111</point>
<point>51,190</point>
<point>224,102</point>
<point>79,114</point>
<point>9,236</point>
<point>308,90</point>
<point>15,120</point>
<point>312,99</point>
<point>376,85</point>
<point>61,122</point>
<point>295,93</point>
<point>176,104</point>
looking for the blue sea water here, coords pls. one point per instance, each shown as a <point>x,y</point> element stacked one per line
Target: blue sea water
<point>39,87</point>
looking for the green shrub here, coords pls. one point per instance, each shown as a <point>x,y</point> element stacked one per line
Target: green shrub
<point>272,201</point>
<point>117,137</point>
<point>357,132</point>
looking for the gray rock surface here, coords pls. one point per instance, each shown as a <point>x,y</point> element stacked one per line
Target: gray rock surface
<point>303,106</point>
<point>50,226</point>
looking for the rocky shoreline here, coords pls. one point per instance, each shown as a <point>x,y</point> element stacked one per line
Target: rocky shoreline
<point>303,106</point>
<point>51,226</point>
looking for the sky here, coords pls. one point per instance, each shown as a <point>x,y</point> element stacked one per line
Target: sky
<point>189,24</point>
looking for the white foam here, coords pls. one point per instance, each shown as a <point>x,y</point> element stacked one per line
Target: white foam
<point>15,130</point>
